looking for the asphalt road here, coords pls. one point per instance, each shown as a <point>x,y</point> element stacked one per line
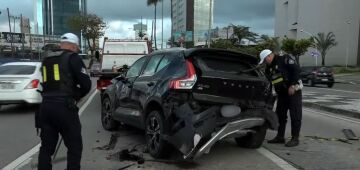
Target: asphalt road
<point>319,148</point>
<point>349,90</point>
<point>17,132</point>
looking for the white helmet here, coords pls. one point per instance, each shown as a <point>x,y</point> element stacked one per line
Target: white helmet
<point>264,54</point>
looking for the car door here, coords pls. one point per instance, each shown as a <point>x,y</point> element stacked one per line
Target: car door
<point>145,83</point>
<point>126,110</point>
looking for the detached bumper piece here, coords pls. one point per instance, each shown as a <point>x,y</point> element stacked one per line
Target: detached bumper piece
<point>195,134</point>
<point>237,128</point>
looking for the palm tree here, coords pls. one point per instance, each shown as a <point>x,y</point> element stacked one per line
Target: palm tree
<point>323,43</point>
<point>149,3</point>
<point>272,43</point>
<point>242,32</point>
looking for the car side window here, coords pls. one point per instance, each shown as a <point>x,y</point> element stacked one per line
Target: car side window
<point>164,62</point>
<point>152,64</point>
<point>136,68</point>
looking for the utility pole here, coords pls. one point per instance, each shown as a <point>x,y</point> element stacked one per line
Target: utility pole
<point>162,24</point>
<point>11,41</point>
<point>141,29</point>
<point>21,31</point>
<point>210,18</point>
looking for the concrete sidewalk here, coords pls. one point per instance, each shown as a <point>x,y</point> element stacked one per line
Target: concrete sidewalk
<point>342,105</point>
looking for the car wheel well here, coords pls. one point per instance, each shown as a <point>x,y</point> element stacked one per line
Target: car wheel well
<point>151,106</point>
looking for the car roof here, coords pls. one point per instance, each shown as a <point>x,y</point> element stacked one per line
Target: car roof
<point>23,63</point>
<point>193,51</point>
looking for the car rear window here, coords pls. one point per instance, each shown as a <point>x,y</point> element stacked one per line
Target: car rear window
<point>224,64</point>
<point>325,69</point>
<point>17,70</point>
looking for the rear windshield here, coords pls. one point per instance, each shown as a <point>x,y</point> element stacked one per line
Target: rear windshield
<point>325,69</point>
<point>224,64</point>
<point>128,48</point>
<point>17,70</point>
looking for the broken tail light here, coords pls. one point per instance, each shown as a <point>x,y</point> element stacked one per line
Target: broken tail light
<point>187,82</point>
<point>102,84</point>
<point>34,84</point>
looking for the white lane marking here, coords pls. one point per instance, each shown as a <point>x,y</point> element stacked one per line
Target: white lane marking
<point>340,90</point>
<point>277,160</point>
<point>15,164</point>
<point>333,116</point>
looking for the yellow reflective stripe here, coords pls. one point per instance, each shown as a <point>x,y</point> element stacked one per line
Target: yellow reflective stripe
<point>277,80</point>
<point>56,72</point>
<point>44,74</point>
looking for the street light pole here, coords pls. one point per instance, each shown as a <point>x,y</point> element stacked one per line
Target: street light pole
<point>311,35</point>
<point>347,43</point>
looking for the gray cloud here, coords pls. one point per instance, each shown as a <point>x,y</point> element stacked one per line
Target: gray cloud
<point>258,14</point>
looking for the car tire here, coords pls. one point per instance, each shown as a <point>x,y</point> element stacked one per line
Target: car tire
<point>155,128</point>
<point>330,85</point>
<point>253,140</point>
<point>107,120</point>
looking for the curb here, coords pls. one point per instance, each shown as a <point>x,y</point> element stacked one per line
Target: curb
<point>342,112</point>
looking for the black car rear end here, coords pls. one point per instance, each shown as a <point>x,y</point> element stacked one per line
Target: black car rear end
<point>221,95</point>
<point>317,75</point>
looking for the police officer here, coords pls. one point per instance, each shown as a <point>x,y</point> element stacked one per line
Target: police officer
<point>65,82</point>
<point>284,74</point>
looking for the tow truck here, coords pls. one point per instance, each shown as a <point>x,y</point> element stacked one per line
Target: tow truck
<point>116,57</point>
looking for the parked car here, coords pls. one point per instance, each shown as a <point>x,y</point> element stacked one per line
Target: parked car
<point>313,75</point>
<point>191,99</point>
<point>19,82</point>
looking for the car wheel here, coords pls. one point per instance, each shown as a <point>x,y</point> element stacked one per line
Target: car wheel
<point>253,140</point>
<point>155,130</point>
<point>330,85</point>
<point>106,115</point>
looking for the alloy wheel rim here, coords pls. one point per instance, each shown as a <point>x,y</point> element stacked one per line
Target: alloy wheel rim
<point>153,133</point>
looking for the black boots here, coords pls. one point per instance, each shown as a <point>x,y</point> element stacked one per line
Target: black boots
<point>280,140</point>
<point>293,142</point>
<point>277,139</point>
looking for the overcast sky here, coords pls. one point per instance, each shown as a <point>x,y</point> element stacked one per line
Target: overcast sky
<point>122,14</point>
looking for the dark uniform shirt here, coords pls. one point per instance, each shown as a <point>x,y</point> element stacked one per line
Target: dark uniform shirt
<point>283,72</point>
<point>79,78</point>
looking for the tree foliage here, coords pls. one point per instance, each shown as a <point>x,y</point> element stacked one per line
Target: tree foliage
<point>323,44</point>
<point>271,43</point>
<point>296,47</point>
<point>242,32</point>
<point>92,28</point>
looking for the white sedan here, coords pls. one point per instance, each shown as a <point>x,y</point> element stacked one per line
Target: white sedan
<point>20,82</point>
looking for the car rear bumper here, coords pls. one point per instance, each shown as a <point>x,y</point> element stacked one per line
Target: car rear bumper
<point>30,96</point>
<point>233,129</point>
<point>323,80</point>
<point>193,134</point>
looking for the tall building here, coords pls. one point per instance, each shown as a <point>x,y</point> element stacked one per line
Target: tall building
<point>38,16</point>
<point>192,17</point>
<point>56,14</point>
<point>304,18</point>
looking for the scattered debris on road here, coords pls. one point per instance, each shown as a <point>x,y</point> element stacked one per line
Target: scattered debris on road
<point>329,139</point>
<point>111,144</point>
<point>349,134</point>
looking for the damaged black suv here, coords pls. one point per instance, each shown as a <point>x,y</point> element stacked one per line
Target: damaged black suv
<point>190,99</point>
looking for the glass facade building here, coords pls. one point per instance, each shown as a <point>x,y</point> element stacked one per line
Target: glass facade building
<point>56,14</point>
<point>195,16</point>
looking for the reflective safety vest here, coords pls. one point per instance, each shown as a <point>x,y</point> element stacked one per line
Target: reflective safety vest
<point>278,80</point>
<point>56,73</point>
